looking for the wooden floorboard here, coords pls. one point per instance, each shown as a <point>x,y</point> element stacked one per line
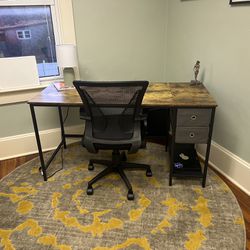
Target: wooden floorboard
<point>8,166</point>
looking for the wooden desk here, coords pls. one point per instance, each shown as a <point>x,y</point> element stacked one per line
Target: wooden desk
<point>157,95</point>
<point>176,96</point>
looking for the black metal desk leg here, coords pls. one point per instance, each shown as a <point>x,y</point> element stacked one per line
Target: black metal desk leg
<point>62,127</point>
<point>172,149</point>
<point>208,148</point>
<point>38,142</point>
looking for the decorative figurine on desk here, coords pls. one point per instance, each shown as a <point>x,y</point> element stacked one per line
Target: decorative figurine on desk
<point>196,70</point>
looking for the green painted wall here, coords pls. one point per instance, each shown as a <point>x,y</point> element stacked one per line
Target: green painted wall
<point>16,119</point>
<point>116,40</point>
<point>219,36</point>
<point>128,40</point>
<point>120,40</point>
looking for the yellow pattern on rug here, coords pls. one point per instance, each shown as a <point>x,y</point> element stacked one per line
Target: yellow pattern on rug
<point>67,186</point>
<point>55,199</point>
<point>135,214</point>
<point>78,203</point>
<point>27,189</point>
<point>173,207</point>
<point>154,182</point>
<point>24,207</point>
<point>34,230</point>
<point>51,240</point>
<point>141,242</point>
<point>195,240</point>
<point>13,197</point>
<point>202,209</point>
<point>97,228</point>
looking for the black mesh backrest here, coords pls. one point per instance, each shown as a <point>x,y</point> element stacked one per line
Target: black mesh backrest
<point>113,104</point>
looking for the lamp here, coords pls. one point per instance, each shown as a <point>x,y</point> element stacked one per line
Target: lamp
<point>67,58</point>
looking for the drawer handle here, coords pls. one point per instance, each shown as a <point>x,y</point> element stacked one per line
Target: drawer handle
<point>193,117</point>
<point>191,135</point>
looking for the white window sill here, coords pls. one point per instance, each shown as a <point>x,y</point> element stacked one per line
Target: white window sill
<point>12,96</point>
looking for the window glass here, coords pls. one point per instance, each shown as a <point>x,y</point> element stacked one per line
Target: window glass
<point>19,34</point>
<point>27,34</point>
<point>26,31</point>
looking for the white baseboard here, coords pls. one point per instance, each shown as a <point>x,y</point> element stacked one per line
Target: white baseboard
<point>25,144</point>
<point>228,164</point>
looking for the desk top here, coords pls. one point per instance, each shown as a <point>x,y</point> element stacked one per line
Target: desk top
<point>157,95</point>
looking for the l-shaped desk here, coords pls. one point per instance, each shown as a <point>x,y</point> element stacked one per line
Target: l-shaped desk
<point>192,111</point>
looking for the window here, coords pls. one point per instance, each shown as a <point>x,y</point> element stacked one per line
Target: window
<point>27,30</point>
<point>23,34</point>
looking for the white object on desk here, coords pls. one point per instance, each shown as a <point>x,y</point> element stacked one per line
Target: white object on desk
<point>67,58</point>
<point>18,72</point>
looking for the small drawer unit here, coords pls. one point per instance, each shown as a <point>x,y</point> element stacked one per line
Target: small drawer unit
<point>193,117</point>
<point>192,125</point>
<point>189,126</point>
<point>191,135</point>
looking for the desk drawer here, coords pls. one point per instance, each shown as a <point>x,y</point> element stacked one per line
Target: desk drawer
<point>193,117</point>
<point>191,135</point>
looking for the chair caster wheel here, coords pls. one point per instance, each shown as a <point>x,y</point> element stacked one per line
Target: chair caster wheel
<point>90,190</point>
<point>90,167</point>
<point>149,173</point>
<point>41,171</point>
<point>130,196</point>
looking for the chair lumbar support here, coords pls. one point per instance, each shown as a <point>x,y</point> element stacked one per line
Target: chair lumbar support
<point>117,164</point>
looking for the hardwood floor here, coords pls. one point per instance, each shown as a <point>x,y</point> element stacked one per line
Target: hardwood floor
<point>8,166</point>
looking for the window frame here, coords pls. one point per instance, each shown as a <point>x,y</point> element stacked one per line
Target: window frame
<point>54,7</point>
<point>24,35</point>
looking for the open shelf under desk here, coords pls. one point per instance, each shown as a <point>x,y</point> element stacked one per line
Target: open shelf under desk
<point>186,168</point>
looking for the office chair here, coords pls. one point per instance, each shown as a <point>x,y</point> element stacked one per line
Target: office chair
<point>113,122</point>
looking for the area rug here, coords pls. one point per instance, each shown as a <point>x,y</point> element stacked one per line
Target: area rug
<point>58,214</point>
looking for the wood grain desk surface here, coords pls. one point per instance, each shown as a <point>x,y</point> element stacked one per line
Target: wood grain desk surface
<point>157,95</point>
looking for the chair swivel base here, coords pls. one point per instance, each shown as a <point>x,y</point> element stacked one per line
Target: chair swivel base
<point>118,164</point>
